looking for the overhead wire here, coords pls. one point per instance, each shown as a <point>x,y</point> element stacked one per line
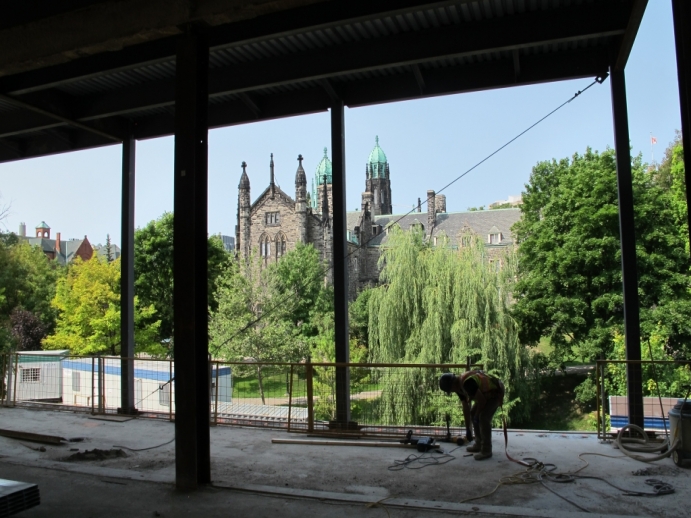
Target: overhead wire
<point>281,304</point>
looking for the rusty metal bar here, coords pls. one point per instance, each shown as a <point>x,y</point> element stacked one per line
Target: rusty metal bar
<point>598,402</point>
<point>309,372</point>
<point>8,388</point>
<point>218,366</point>
<point>290,397</point>
<point>101,410</point>
<point>604,401</point>
<point>171,391</point>
<point>16,373</point>
<point>678,362</point>
<point>92,384</point>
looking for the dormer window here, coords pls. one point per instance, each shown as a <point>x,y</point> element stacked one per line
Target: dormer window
<point>494,237</point>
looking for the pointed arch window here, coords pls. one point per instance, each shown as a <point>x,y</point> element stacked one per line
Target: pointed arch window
<point>265,247</point>
<point>280,245</point>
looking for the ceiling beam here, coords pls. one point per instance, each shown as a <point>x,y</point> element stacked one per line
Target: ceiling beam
<point>441,81</point>
<point>480,76</point>
<point>407,49</point>
<point>293,21</point>
<point>637,11</point>
<point>55,116</point>
<point>418,77</point>
<point>44,144</point>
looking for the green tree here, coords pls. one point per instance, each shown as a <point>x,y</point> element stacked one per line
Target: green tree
<point>569,285</point>
<point>252,321</point>
<point>359,317</point>
<point>109,249</point>
<point>27,282</point>
<point>299,277</point>
<point>88,302</point>
<point>27,328</point>
<point>440,305</point>
<point>153,267</point>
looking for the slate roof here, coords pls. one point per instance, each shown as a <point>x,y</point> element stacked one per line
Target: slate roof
<point>68,249</point>
<point>479,222</point>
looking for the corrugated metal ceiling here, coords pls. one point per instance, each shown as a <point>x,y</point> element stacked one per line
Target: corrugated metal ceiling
<point>454,14</point>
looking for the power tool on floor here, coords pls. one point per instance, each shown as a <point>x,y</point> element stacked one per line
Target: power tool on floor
<point>423,444</point>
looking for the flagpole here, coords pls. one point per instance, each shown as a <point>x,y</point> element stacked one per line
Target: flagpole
<point>652,153</point>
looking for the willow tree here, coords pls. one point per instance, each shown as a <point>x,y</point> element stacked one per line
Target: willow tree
<point>440,305</point>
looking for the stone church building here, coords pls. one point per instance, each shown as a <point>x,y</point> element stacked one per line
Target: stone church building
<point>274,222</point>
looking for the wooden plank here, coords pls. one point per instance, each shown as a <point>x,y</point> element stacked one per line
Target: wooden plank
<point>375,444</point>
<point>35,437</point>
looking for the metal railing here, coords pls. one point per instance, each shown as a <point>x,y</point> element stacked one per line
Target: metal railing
<point>612,402</point>
<point>300,397</point>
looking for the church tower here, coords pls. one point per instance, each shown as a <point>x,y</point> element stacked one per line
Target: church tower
<point>322,186</point>
<point>378,181</point>
<point>243,237</point>
<point>301,201</point>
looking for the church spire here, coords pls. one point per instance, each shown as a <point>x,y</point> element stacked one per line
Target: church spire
<point>325,205</point>
<point>271,181</point>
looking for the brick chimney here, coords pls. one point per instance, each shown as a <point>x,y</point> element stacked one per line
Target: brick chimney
<point>57,243</point>
<point>431,211</point>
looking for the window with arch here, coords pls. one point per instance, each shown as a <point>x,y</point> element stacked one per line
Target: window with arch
<point>265,247</point>
<point>280,245</point>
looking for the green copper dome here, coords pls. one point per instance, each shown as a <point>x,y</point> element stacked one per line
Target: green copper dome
<point>324,171</point>
<point>377,163</point>
<point>377,155</point>
<point>324,168</point>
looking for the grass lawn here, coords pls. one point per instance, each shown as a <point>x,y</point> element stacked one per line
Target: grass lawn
<point>274,386</point>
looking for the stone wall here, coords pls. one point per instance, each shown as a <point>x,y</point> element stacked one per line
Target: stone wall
<point>289,222</point>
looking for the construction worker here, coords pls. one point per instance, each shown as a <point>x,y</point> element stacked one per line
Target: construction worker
<point>487,394</point>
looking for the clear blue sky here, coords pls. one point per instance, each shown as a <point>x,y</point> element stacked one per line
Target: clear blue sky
<point>428,143</point>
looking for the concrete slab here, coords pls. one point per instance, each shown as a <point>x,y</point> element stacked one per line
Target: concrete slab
<point>245,460</point>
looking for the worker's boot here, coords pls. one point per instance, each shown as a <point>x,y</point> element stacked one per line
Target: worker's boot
<point>482,455</point>
<point>474,448</point>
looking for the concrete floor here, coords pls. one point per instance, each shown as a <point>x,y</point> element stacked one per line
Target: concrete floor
<point>253,476</point>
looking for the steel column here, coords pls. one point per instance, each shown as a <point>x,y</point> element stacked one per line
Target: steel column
<point>340,262</point>
<point>682,36</point>
<point>127,403</point>
<point>192,408</point>
<point>632,326</point>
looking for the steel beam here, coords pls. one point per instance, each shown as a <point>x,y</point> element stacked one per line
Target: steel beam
<point>51,115</point>
<point>324,17</point>
<point>192,409</point>
<point>127,402</point>
<point>404,49</point>
<point>632,326</point>
<point>635,18</point>
<point>589,62</point>
<point>681,9</point>
<point>340,262</point>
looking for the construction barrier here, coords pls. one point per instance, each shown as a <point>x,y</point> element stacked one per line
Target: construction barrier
<point>300,397</point>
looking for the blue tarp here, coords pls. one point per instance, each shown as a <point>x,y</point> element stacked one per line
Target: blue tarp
<point>649,423</point>
<point>162,375</point>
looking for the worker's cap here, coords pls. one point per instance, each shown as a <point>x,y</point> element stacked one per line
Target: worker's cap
<point>446,381</point>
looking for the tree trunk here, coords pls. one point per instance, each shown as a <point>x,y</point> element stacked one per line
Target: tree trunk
<point>261,384</point>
